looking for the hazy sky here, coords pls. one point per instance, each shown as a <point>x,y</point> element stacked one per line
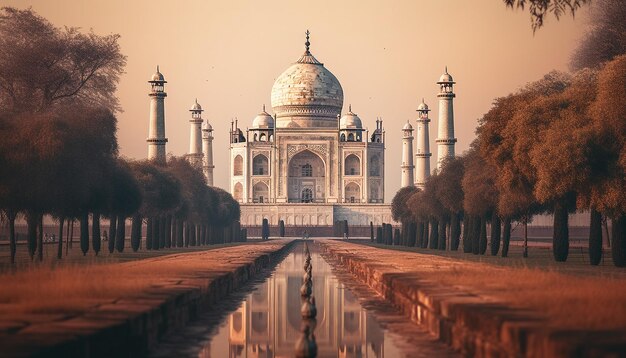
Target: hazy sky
<point>386,54</point>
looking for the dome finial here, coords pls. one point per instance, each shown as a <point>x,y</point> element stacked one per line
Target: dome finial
<point>263,107</point>
<point>307,43</point>
<point>157,68</point>
<point>350,107</point>
<point>446,68</point>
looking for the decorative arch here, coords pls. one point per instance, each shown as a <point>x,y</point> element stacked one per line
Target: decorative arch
<point>352,165</point>
<point>260,193</point>
<point>238,165</point>
<point>263,137</point>
<point>306,170</point>
<point>260,165</point>
<point>238,192</point>
<point>352,193</point>
<point>351,137</point>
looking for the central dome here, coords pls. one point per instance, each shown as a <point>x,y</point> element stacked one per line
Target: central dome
<point>307,95</point>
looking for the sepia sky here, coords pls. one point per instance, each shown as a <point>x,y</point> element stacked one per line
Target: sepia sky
<point>387,55</point>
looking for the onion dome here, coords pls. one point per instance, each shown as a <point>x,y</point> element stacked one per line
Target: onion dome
<point>157,76</point>
<point>407,126</point>
<point>350,120</point>
<point>307,94</point>
<point>206,126</point>
<point>263,120</point>
<point>196,106</point>
<point>445,78</point>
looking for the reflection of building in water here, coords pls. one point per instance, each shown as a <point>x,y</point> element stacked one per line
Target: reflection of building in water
<point>268,324</point>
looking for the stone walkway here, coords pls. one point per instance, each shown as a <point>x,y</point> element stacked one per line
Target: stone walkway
<point>489,310</point>
<point>161,294</point>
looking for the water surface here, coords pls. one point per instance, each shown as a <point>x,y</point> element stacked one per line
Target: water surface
<point>268,322</point>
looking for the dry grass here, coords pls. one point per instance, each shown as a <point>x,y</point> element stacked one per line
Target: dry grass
<point>582,301</point>
<point>72,289</point>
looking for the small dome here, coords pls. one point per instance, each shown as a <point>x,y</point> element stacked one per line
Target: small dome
<point>422,106</point>
<point>263,120</point>
<point>158,76</point>
<point>445,77</point>
<point>196,106</point>
<point>350,120</point>
<point>207,126</point>
<point>407,126</point>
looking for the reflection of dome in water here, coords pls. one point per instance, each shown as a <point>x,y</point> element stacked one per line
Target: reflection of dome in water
<point>306,94</point>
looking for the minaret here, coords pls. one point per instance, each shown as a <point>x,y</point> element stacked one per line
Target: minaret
<point>422,156</point>
<point>207,150</point>
<point>407,155</point>
<point>445,140</point>
<point>195,136</point>
<point>156,132</point>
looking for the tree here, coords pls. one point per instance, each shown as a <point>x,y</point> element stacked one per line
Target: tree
<point>43,65</point>
<point>281,228</point>
<point>450,195</point>
<point>606,37</point>
<point>540,8</point>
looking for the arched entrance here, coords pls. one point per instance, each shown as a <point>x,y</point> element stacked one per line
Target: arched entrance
<point>260,193</point>
<point>352,193</point>
<point>307,178</point>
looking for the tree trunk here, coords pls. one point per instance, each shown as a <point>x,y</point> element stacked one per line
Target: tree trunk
<point>618,247</point>
<point>71,238</point>
<point>455,231</point>
<point>419,235</point>
<point>40,238</point>
<point>32,222</point>
<point>162,232</point>
<point>84,233</point>
<point>12,239</point>
<point>168,231</point>
<point>411,234</point>
<point>466,231</point>
<point>425,234</point>
<point>525,252</point>
<point>187,233</point>
<point>442,235</point>
<point>434,234</point>
<point>149,233</point>
<point>135,232</point>
<point>595,238</point>
<point>560,239</point>
<point>120,236</point>
<point>95,233</point>
<point>156,232</point>
<point>180,228</point>
<point>371,230</point>
<point>482,244</point>
<point>67,237</point>
<point>476,234</point>
<point>495,234</point>
<point>112,233</point>
<point>60,243</point>
<point>506,237</point>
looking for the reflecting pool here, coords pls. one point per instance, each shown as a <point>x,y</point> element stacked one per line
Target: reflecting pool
<point>268,323</point>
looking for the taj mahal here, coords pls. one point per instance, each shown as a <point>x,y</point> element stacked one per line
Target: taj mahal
<point>309,163</point>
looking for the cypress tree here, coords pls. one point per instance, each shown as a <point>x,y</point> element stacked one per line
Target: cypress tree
<point>595,238</point>
<point>281,228</point>
<point>379,234</point>
<point>371,231</point>
<point>411,234</point>
<point>442,235</point>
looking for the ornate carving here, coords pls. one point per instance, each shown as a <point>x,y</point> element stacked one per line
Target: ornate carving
<point>293,149</point>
